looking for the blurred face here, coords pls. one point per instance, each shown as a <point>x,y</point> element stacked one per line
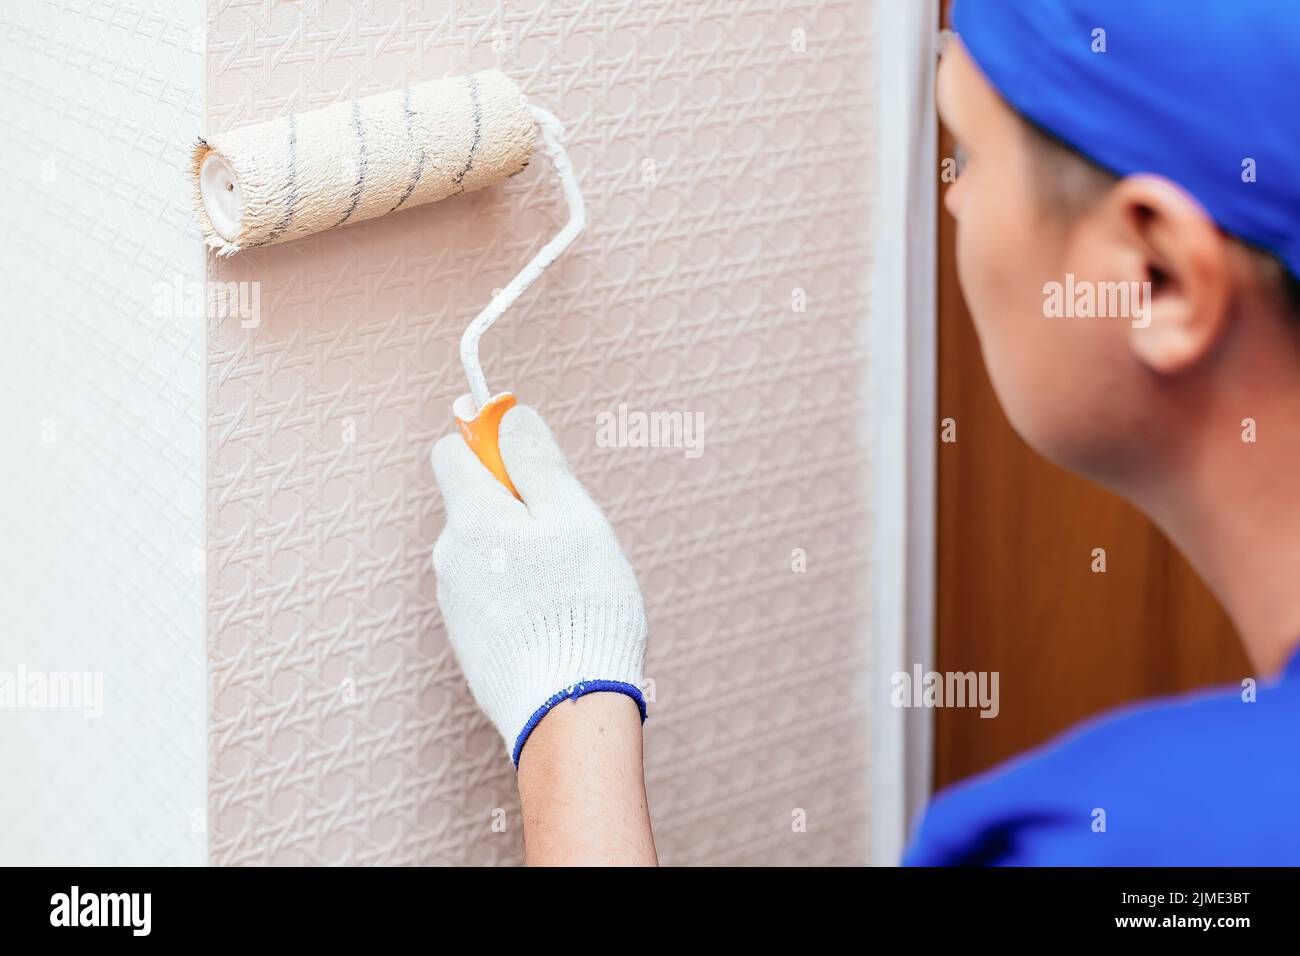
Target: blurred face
<point>1062,382</point>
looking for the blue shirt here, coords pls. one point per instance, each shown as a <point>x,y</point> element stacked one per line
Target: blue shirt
<point>1207,779</point>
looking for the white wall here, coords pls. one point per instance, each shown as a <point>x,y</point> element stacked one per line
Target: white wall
<point>727,152</point>
<point>101,421</point>
<point>771,686</point>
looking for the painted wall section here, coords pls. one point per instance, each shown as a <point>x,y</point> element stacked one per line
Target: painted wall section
<point>101,415</point>
<point>727,153</point>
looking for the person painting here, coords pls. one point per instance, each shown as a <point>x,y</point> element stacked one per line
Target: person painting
<point>1106,144</point>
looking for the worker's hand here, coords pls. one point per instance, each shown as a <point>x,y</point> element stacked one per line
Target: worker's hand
<point>539,601</point>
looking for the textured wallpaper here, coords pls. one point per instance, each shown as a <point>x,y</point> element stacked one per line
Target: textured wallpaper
<point>103,699</point>
<point>726,150</point>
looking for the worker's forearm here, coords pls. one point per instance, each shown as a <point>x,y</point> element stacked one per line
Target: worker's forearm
<point>582,786</point>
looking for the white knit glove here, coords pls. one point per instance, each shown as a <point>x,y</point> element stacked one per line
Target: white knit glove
<point>540,603</point>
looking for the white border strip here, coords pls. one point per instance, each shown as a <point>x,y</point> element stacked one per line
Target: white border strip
<point>903,364</point>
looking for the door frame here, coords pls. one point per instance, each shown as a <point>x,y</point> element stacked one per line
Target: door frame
<point>903,342</point>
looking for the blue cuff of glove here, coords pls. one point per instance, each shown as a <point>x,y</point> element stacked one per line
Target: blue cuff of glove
<point>580,689</point>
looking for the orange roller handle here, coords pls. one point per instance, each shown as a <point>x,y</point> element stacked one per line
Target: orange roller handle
<point>482,432</point>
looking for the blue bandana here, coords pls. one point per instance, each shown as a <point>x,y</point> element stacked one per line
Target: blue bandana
<point>1205,93</point>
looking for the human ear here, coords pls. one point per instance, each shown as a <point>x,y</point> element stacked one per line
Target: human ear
<point>1182,307</point>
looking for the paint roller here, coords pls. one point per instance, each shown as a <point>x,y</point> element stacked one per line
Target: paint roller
<point>273,182</point>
